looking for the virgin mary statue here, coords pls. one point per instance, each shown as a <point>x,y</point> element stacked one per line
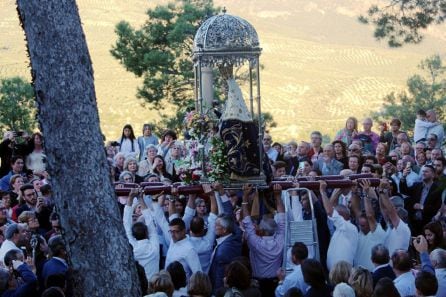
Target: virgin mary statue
<point>240,135</point>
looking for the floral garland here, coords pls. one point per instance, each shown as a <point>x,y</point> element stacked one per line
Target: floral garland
<point>218,164</point>
<point>204,148</point>
<point>198,125</point>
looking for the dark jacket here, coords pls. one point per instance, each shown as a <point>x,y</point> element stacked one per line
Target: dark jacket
<point>223,255</point>
<point>382,272</point>
<point>28,288</point>
<point>431,205</point>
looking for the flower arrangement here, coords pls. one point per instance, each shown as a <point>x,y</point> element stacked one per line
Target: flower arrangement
<point>203,148</point>
<point>218,169</point>
<point>189,167</point>
<point>198,125</point>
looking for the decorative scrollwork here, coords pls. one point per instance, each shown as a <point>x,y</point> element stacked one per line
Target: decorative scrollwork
<point>226,40</point>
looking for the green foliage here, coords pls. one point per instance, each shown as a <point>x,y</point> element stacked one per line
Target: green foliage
<point>424,91</point>
<point>268,121</point>
<point>402,21</point>
<point>17,105</point>
<point>160,51</point>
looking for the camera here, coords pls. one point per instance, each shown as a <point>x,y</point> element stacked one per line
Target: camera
<point>115,143</point>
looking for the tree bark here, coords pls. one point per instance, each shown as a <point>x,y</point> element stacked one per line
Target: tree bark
<point>62,73</point>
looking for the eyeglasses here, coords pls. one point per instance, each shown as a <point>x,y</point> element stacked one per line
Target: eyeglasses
<point>353,150</point>
<point>267,139</point>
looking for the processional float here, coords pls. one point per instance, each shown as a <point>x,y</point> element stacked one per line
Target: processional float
<point>222,43</point>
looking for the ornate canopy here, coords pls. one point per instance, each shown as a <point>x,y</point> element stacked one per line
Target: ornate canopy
<point>224,40</point>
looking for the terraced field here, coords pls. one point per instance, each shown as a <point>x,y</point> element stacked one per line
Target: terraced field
<point>321,66</point>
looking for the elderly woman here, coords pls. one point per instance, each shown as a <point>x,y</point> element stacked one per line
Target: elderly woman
<point>174,155</point>
<point>145,166</point>
<point>118,164</point>
<point>145,140</point>
<point>131,165</point>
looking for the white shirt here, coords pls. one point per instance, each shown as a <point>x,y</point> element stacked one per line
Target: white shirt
<point>272,154</point>
<point>205,244</point>
<point>183,252</point>
<point>405,284</point>
<point>343,243</point>
<point>365,245</point>
<point>146,251</point>
<point>294,279</point>
<point>7,245</point>
<point>411,178</point>
<point>126,148</point>
<point>398,238</point>
<point>421,128</point>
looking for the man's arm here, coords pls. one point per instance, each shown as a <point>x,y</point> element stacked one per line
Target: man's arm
<point>387,207</point>
<point>325,201</point>
<point>369,212</point>
<point>127,217</point>
<point>190,210</point>
<point>153,236</point>
<point>158,214</point>
<point>420,244</point>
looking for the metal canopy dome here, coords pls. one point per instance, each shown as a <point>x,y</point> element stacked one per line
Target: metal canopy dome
<point>224,40</point>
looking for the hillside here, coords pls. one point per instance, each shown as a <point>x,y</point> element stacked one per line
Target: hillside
<point>321,65</point>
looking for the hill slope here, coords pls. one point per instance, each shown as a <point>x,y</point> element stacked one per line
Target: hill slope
<point>321,65</point>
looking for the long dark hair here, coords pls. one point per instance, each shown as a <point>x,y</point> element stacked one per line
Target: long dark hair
<point>155,170</point>
<point>437,230</point>
<point>131,137</point>
<point>31,140</point>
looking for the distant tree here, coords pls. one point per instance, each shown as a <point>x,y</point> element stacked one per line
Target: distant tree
<point>268,121</point>
<point>402,21</point>
<point>17,105</point>
<point>427,91</point>
<point>160,51</point>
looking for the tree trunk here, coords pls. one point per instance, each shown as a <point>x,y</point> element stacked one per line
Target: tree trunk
<point>62,73</point>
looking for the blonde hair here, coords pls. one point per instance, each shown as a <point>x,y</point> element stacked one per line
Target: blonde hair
<point>199,285</point>
<point>361,281</point>
<point>340,273</point>
<point>25,216</point>
<point>161,282</point>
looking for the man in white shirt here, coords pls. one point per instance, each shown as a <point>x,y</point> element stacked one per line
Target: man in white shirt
<point>174,233</point>
<point>15,236</point>
<point>370,232</point>
<point>142,236</point>
<point>398,232</point>
<point>180,248</point>
<point>295,279</point>
<point>344,242</point>
<point>405,280</point>
<point>201,239</point>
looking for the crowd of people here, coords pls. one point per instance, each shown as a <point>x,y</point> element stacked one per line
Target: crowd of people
<point>387,240</point>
